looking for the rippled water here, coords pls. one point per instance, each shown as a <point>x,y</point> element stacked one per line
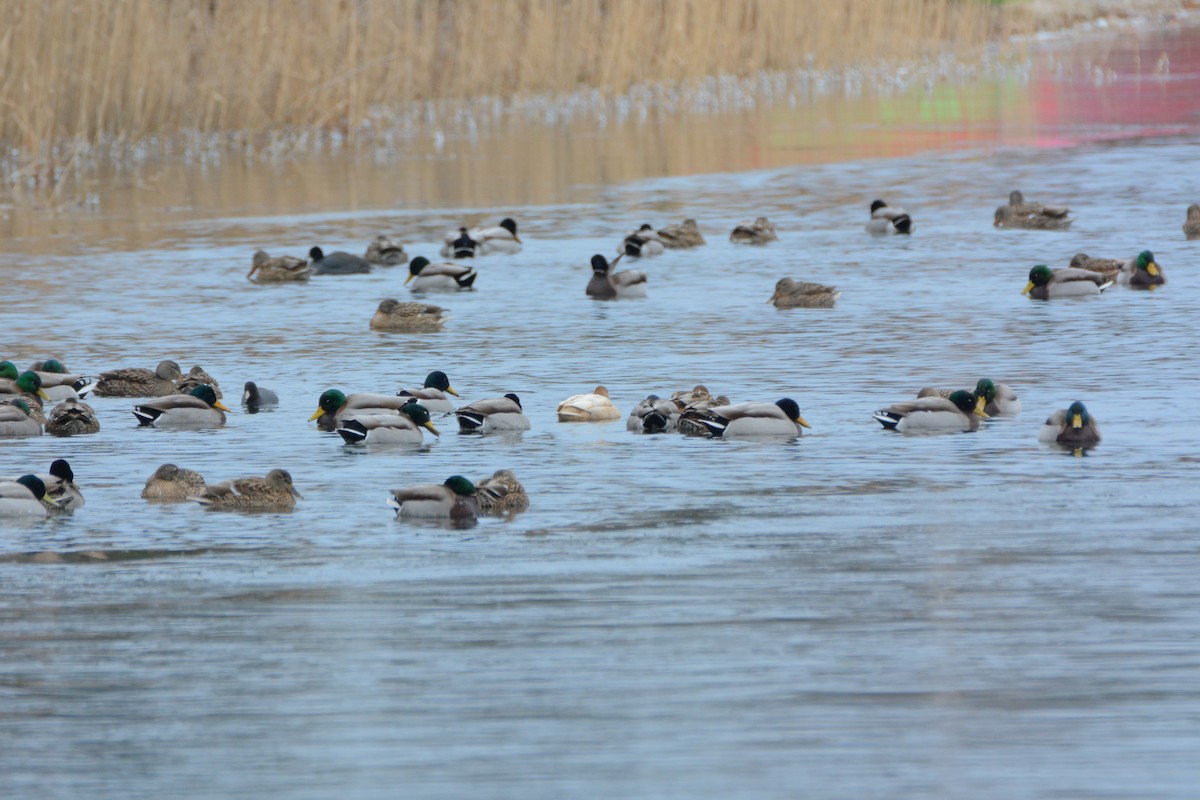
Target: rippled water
<point>853,613</point>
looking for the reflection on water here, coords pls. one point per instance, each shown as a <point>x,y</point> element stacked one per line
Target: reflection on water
<point>853,613</point>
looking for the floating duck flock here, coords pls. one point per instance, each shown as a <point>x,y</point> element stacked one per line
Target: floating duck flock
<point>169,398</point>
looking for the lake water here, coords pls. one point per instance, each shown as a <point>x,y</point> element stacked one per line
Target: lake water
<point>854,613</point>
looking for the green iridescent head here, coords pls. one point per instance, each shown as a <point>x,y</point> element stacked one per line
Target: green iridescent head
<point>420,415</point>
<point>1077,415</point>
<point>8,370</point>
<point>985,389</point>
<point>459,485</point>
<point>438,380</point>
<point>330,401</point>
<point>56,366</point>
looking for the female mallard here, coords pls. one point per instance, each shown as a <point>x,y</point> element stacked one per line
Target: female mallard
<point>1073,427</point>
<point>170,484</point>
<point>682,236</point>
<point>338,263</point>
<point>492,414</point>
<point>72,418</point>
<point>255,397</point>
<point>759,232</point>
<point>198,409</point>
<point>501,493</point>
<point>698,399</point>
<point>1047,284</point>
<point>387,428</point>
<point>16,419</point>
<point>653,415</point>
<point>885,219</point>
<point>384,252</point>
<point>798,294</point>
<point>994,399</point>
<point>606,285</point>
<point>397,317</point>
<point>1191,227</point>
<point>138,382</point>
<point>61,488</point>
<point>459,245</point>
<point>642,243</point>
<point>781,418</point>
<point>197,377</point>
<point>433,394</point>
<point>332,405</point>
<point>278,269</point>
<point>1032,216</point>
<point>594,407</point>
<point>448,277</point>
<point>455,499</point>
<point>500,238</point>
<point>274,492</point>
<point>24,497</point>
<point>959,412</point>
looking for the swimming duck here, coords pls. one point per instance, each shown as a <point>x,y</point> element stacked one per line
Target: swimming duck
<point>653,415</point>
<point>799,294</point>
<point>959,412</point>
<point>200,408</point>
<point>885,219</point>
<point>24,497</point>
<point>278,269</point>
<point>1191,227</point>
<point>642,243</point>
<point>56,381</point>
<point>1073,427</point>
<point>197,377</point>
<point>493,414</point>
<point>387,428</point>
<point>459,245</point>
<point>681,236</point>
<point>27,386</point>
<point>433,393</point>
<point>170,483</point>
<point>781,418</point>
<point>1032,216</point>
<point>138,382</point>
<point>255,397</point>
<point>448,277</point>
<point>594,407</point>
<point>333,405</point>
<point>759,232</point>
<point>384,252</point>
<point>1139,272</point>
<point>16,419</point>
<point>454,499</point>
<point>606,285</point>
<point>338,263</point>
<point>72,418</point>
<point>1047,284</point>
<point>500,238</point>
<point>501,493</point>
<point>274,492</point>
<point>698,399</point>
<point>397,317</point>
<point>61,488</point>
<point>994,399</point>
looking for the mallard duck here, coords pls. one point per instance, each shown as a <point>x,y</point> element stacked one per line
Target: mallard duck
<point>387,428</point>
<point>1047,284</point>
<point>653,415</point>
<point>337,263</point>
<point>197,377</point>
<point>72,418</point>
<point>594,407</point>
<point>501,493</point>
<point>432,395</point>
<point>1191,227</point>
<point>459,245</point>
<point>56,381</point>
<point>170,484</point>
<point>500,238</point>
<point>333,405</point>
<point>959,412</point>
<point>781,418</point>
<point>396,317</point>
<point>698,399</point>
<point>274,492</point>
<point>16,419</point>
<point>493,414</point>
<point>798,294</point>
<point>24,497</point>
<point>138,382</point>
<point>278,269</point>
<point>384,252</point>
<point>1032,216</point>
<point>1073,427</point>
<point>606,285</point>
<point>255,397</point>
<point>760,232</point>
<point>995,399</point>
<point>28,387</point>
<point>61,488</point>
<point>642,243</point>
<point>885,219</point>
<point>682,236</point>
<point>200,408</point>
<point>1139,272</point>
<point>448,277</point>
<point>455,499</point>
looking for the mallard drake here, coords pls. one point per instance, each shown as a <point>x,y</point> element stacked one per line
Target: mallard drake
<point>24,497</point>
<point>200,408</point>
<point>959,412</point>
<point>1139,272</point>
<point>1072,426</point>
<point>501,493</point>
<point>493,414</point>
<point>781,418</point>
<point>197,377</point>
<point>278,269</point>
<point>682,236</point>
<point>61,488</point>
<point>798,294</point>
<point>384,252</point>
<point>594,407</point>
<point>1047,284</point>
<point>397,317</point>
<point>759,232</point>
<point>433,394</point>
<point>402,428</point>
<point>994,399</point>
<point>170,483</point>
<point>16,419</point>
<point>642,243</point>
<point>459,245</point>
<point>138,382</point>
<point>333,405</point>
<point>28,387</point>
<point>337,263</point>
<point>885,219</point>
<point>72,418</point>
<point>606,285</point>
<point>1191,226</point>
<point>698,399</point>
<point>255,397</point>
<point>653,415</point>
<point>1032,216</point>
<point>56,381</point>
<point>274,492</point>
<point>500,238</point>
<point>455,499</point>
<point>446,277</point>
